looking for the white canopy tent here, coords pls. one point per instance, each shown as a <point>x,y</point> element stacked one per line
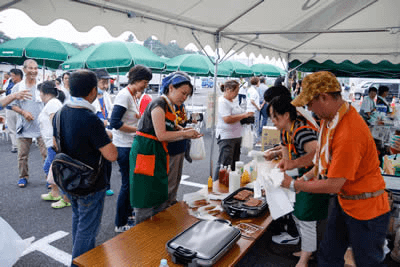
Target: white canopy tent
<point>338,30</point>
<point>330,29</point>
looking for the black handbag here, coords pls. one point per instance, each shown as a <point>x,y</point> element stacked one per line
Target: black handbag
<point>248,120</point>
<point>71,175</point>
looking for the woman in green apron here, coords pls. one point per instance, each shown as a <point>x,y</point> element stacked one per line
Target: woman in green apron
<point>299,142</point>
<point>149,159</point>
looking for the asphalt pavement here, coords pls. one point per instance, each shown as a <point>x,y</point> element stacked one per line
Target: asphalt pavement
<point>30,216</point>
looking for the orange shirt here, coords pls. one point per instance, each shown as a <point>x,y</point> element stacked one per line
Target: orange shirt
<point>355,158</point>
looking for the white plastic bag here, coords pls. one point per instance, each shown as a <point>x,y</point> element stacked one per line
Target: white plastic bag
<point>11,244</point>
<point>197,149</point>
<point>247,140</point>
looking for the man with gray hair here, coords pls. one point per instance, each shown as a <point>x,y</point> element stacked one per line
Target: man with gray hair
<point>27,120</point>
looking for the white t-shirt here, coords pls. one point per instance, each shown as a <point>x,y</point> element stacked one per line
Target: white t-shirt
<point>252,94</point>
<point>368,104</point>
<point>66,93</point>
<point>125,99</point>
<point>227,108</point>
<point>46,128</point>
<point>243,89</point>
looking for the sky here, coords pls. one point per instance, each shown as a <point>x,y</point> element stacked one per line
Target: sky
<point>15,23</point>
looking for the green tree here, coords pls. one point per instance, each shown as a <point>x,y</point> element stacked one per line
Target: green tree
<point>131,38</point>
<point>3,37</point>
<point>82,46</point>
<point>170,50</point>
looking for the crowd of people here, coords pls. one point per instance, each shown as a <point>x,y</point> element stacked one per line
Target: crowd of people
<point>97,131</point>
<point>330,145</point>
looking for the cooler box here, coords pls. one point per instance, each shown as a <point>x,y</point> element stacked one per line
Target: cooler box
<point>203,244</point>
<point>270,137</point>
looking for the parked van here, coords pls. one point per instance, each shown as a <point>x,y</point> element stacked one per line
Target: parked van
<point>362,91</point>
<point>393,89</point>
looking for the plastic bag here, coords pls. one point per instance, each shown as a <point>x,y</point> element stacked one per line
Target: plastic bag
<point>197,149</point>
<point>11,244</point>
<point>50,177</point>
<point>247,140</point>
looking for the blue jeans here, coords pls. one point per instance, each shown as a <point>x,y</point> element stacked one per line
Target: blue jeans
<point>365,237</point>
<point>49,159</point>
<point>263,118</point>
<point>124,209</point>
<point>86,218</point>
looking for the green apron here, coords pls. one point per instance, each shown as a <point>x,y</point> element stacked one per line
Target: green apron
<point>149,166</point>
<point>149,177</point>
<point>309,206</point>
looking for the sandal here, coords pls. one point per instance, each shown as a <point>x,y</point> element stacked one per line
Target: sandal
<point>50,197</point>
<point>60,204</point>
<point>22,182</point>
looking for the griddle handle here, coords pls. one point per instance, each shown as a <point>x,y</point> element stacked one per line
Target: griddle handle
<point>233,211</point>
<point>184,255</point>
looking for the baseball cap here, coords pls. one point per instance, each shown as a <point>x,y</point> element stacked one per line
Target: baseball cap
<point>102,74</point>
<point>314,84</point>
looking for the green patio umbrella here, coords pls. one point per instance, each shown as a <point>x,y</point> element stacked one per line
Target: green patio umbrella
<point>237,68</point>
<point>195,64</point>
<point>114,56</point>
<point>48,52</point>
<point>267,70</point>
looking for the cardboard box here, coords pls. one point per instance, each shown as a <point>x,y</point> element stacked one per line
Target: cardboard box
<point>270,137</point>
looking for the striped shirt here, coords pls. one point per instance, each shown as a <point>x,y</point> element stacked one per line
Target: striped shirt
<point>301,137</point>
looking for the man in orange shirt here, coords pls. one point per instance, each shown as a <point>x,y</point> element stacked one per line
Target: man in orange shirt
<point>346,164</point>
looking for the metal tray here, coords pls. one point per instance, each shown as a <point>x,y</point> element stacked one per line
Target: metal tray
<point>236,208</point>
<point>203,244</point>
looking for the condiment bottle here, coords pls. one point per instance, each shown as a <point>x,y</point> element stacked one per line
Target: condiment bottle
<point>221,174</point>
<point>210,183</point>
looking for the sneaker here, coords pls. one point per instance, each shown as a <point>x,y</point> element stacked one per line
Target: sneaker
<point>285,239</point>
<point>60,204</point>
<point>49,197</point>
<point>109,192</point>
<point>14,150</point>
<point>122,229</point>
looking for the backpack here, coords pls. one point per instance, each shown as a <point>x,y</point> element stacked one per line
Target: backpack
<point>71,175</point>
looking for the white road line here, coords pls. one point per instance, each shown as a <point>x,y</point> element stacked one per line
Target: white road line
<point>184,177</point>
<point>43,245</point>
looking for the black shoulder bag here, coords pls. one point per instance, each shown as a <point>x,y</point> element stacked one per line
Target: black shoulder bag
<point>71,175</point>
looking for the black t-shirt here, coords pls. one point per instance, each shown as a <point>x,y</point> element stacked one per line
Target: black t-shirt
<point>146,123</point>
<point>82,134</point>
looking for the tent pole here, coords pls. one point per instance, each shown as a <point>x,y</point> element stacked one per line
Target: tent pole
<point>194,88</point>
<point>117,78</point>
<point>217,41</point>
<point>44,71</point>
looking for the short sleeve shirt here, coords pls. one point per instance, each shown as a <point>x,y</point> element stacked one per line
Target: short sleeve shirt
<point>146,122</point>
<point>125,99</point>
<point>301,137</point>
<point>227,108</point>
<point>252,94</point>
<point>367,105</point>
<point>355,158</point>
<point>82,135</point>
<point>46,127</point>
<point>31,129</point>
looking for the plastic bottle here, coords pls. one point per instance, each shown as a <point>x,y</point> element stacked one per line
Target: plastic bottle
<point>222,174</point>
<point>234,181</point>
<point>163,263</point>
<point>210,183</point>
